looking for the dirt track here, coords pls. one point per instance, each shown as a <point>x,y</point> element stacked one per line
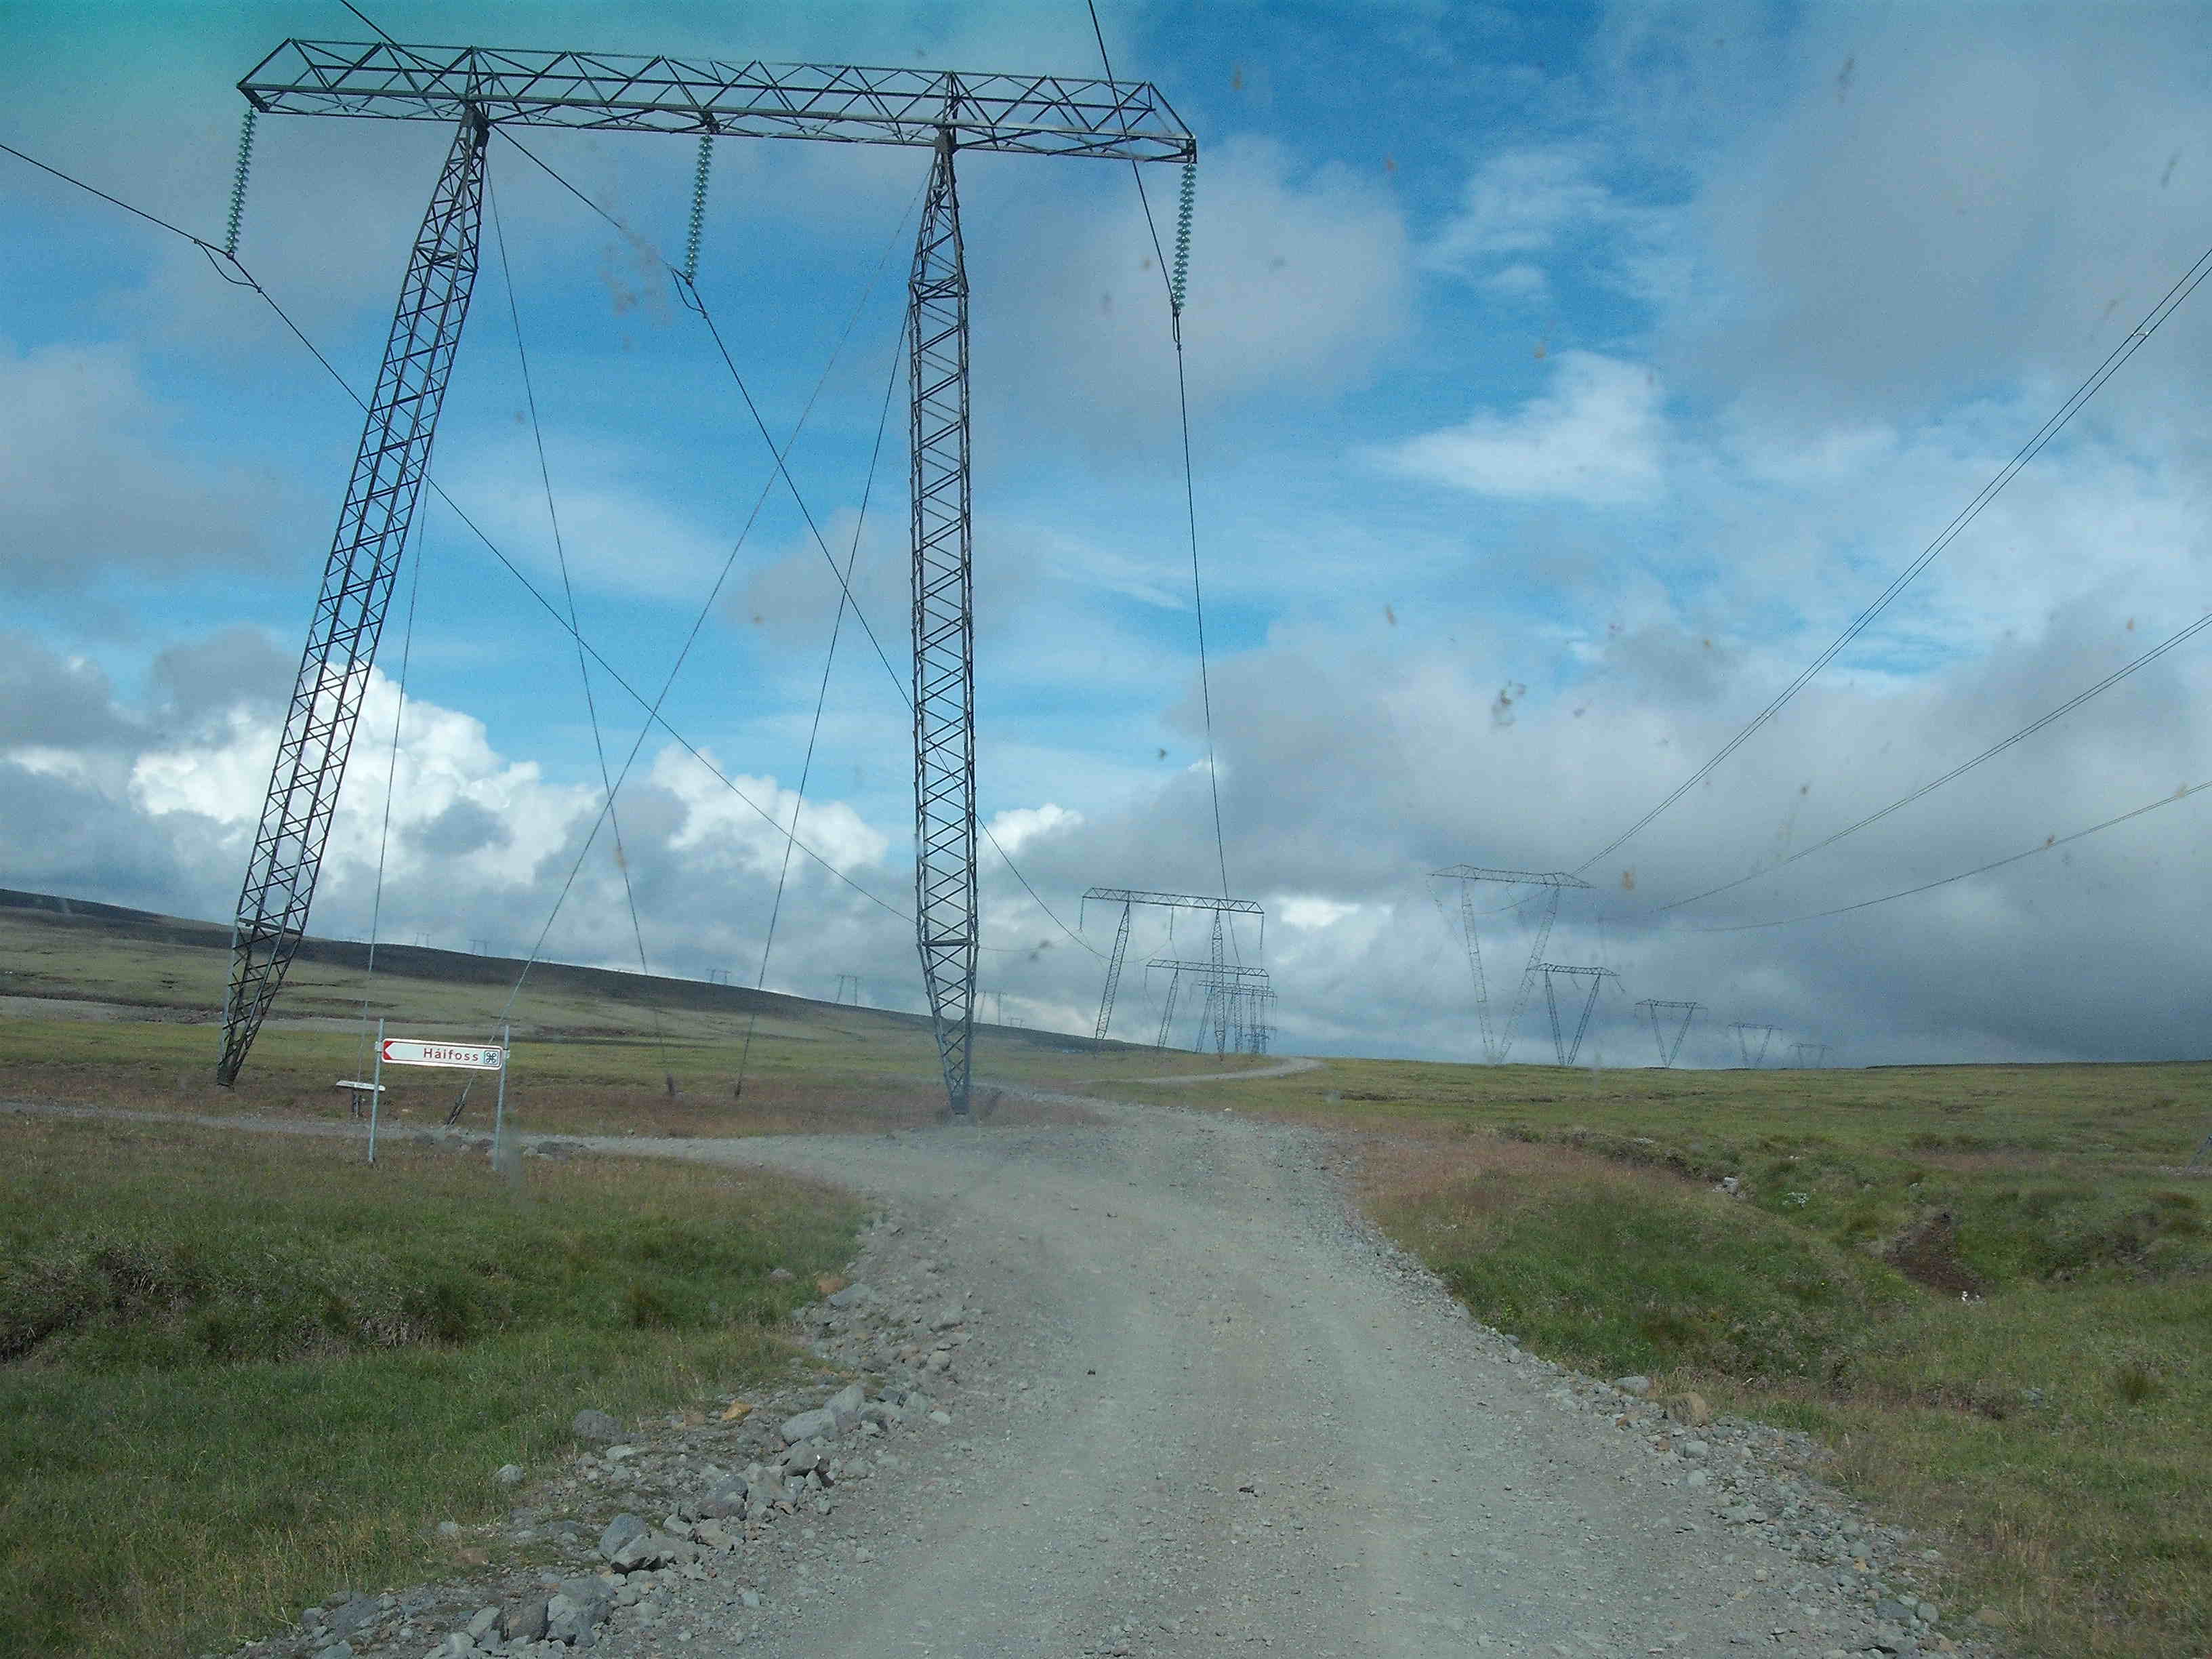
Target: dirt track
<point>1214,1413</point>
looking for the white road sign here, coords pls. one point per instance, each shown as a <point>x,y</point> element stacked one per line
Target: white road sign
<point>475,1057</point>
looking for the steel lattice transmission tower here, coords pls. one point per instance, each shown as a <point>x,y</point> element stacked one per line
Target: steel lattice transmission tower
<point>1128,898</point>
<point>1226,986</point>
<point>1818,1051</point>
<point>1743,1042</point>
<point>1497,1045</point>
<point>1688,1011</point>
<point>1566,1050</point>
<point>388,469</point>
<point>479,89</point>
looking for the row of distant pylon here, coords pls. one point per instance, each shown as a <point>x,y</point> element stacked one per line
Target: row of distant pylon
<point>1670,1019</point>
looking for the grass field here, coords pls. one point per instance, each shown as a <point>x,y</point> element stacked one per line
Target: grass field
<point>1985,1288</point>
<point>239,1370</point>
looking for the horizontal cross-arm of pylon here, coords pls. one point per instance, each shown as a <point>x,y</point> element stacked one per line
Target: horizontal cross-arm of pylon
<point>839,103</point>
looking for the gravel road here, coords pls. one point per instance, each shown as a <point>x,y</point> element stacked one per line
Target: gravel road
<point>1206,1410</point>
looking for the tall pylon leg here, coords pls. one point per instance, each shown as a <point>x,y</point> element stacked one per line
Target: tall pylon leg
<point>1113,975</point>
<point>1167,1013</point>
<point>388,471</point>
<point>943,629</point>
<point>1215,998</point>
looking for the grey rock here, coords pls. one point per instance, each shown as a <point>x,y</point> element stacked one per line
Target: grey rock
<point>802,1460</point>
<point>619,1531</point>
<point>845,1404</point>
<point>524,1621</point>
<point>642,1553</point>
<point>1695,1448</point>
<point>723,1500</point>
<point>947,1316</point>
<point>853,1296</point>
<point>1929,1612</point>
<point>1638,1386</point>
<point>1696,1478</point>
<point>486,1620</point>
<point>510,1474</point>
<point>750,1598</point>
<point>361,1610</point>
<point>336,1650</point>
<point>1891,1612</point>
<point>595,1425</point>
<point>568,1620</point>
<point>449,1529</point>
<point>780,1275</point>
<point>807,1425</point>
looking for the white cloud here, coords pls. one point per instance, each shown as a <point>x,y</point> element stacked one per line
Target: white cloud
<point>1596,437</point>
<point>1017,826</point>
<point>1519,204</point>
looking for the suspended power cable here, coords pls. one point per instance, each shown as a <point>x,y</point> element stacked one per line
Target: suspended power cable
<point>652,707</point>
<point>247,279</point>
<point>113,201</point>
<point>1174,283</point>
<point>1964,767</point>
<point>697,301</point>
<point>390,783</point>
<point>568,594</point>
<point>2119,355</point>
<point>2050,844</point>
<point>814,729</point>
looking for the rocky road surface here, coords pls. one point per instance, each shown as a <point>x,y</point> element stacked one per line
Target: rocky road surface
<point>1148,1386</point>
<point>1196,1408</point>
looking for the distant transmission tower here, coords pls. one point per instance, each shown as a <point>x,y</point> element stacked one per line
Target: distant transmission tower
<point>852,982</point>
<point>1128,898</point>
<point>1652,1007</point>
<point>1597,977</point>
<point>1818,1051</point>
<point>1497,1045</point>
<point>1221,981</point>
<point>1743,1042</point>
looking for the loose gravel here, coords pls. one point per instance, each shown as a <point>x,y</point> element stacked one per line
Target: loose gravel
<point>1149,1386</point>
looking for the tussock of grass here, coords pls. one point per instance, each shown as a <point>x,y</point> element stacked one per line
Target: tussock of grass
<point>243,1370</point>
<point>1629,1271</point>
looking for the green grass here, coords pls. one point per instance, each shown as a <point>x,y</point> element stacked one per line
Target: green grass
<point>242,1370</point>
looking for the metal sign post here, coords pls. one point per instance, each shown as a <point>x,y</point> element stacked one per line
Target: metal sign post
<point>466,1056</point>
<point>499,1102</point>
<point>376,1091</point>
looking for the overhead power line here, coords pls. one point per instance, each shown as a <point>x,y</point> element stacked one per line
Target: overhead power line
<point>2120,354</point>
<point>1173,282</point>
<point>698,303</point>
<point>1965,767</point>
<point>651,707</point>
<point>2050,845</point>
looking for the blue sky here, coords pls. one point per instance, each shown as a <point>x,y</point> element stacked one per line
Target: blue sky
<point>1564,379</point>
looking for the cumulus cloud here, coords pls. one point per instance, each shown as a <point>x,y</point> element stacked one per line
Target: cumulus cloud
<point>1597,437</point>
